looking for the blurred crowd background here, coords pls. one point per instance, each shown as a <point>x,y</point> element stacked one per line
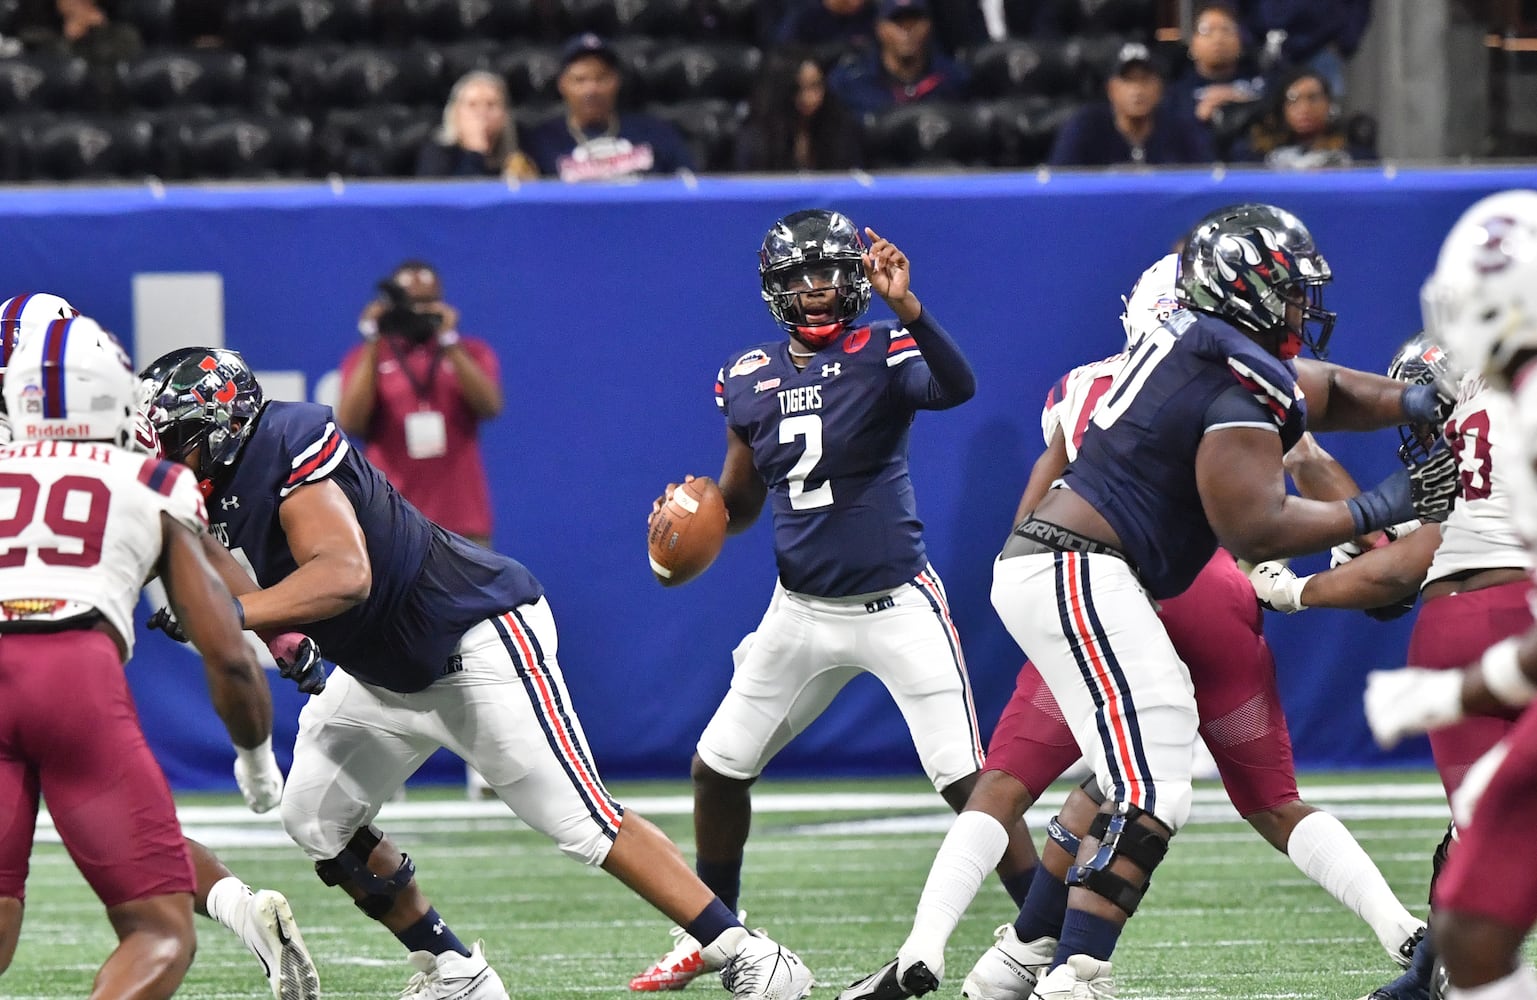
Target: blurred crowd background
<point>607,89</point>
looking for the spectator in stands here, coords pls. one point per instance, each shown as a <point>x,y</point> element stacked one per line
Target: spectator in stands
<point>1323,34</point>
<point>203,23</point>
<point>836,26</point>
<point>1133,126</point>
<point>795,124</point>
<point>1221,81</point>
<point>478,137</point>
<point>592,140</point>
<point>1302,131</point>
<point>84,30</point>
<point>416,390</point>
<point>903,67</point>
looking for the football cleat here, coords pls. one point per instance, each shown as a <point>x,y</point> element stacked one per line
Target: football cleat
<point>680,966</point>
<point>1009,969</point>
<point>1404,956</point>
<point>885,984</point>
<point>1415,982</point>
<point>452,976</point>
<point>272,935</point>
<point>758,969</point>
<point>1081,977</point>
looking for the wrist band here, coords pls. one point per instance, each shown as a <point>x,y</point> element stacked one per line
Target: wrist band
<point>448,338</point>
<point>1500,668</point>
<point>257,754</point>
<point>240,613</point>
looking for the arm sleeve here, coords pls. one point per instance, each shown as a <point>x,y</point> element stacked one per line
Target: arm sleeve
<point>944,379</point>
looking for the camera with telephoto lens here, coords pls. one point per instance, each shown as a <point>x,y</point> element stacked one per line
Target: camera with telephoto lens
<point>401,318</point>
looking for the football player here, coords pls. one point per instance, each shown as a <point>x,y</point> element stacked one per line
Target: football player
<point>263,920</point>
<point>817,424</point>
<point>1216,630</point>
<point>1481,304</point>
<point>1183,453</point>
<point>90,520</point>
<point>438,643</point>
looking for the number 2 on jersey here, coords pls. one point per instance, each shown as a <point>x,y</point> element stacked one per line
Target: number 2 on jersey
<point>63,518</point>
<point>808,426</point>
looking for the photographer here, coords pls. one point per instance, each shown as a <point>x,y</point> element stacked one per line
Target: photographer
<point>416,390</point>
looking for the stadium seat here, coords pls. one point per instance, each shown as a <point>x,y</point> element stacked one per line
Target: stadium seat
<point>15,136</point>
<point>1125,17</point>
<point>155,19</point>
<point>708,125</point>
<point>186,76</point>
<point>359,77</point>
<point>1019,66</point>
<point>530,72</point>
<point>1024,127</point>
<point>727,20</point>
<point>92,148</point>
<point>299,22</point>
<point>660,18</point>
<point>600,17</point>
<point>38,83</point>
<point>724,71</point>
<point>378,141</point>
<point>930,135</point>
<point>257,146</point>
<point>1095,54</point>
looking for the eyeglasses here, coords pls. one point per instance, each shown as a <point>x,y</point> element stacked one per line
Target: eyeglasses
<point>1306,97</point>
<point>1217,28</point>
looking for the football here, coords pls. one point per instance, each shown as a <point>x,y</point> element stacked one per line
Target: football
<point>686,534</point>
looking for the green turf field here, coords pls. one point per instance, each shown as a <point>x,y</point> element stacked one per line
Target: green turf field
<point>833,873</point>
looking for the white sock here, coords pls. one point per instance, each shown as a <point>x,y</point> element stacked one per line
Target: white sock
<point>1519,985</point>
<point>972,849</point>
<point>1327,853</point>
<point>226,902</point>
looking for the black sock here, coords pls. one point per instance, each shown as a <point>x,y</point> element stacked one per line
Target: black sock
<point>431,934</point>
<point>1043,910</point>
<point>1018,886</point>
<point>724,879</point>
<point>1085,934</point>
<point>712,922</point>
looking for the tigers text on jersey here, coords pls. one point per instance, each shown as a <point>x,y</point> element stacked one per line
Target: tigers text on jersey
<point>1136,462</point>
<point>429,585</point>
<point>1072,399</point>
<point>830,441</point>
<point>1481,532</point>
<point>80,528</point>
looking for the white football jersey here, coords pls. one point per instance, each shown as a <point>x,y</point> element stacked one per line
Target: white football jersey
<point>80,528</point>
<point>1482,532</point>
<point>1523,479</point>
<point>1071,401</point>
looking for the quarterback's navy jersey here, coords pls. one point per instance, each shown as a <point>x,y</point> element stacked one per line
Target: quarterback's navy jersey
<point>1136,463</point>
<point>429,585</point>
<point>830,442</point>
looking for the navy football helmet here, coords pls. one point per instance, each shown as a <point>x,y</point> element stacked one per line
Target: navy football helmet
<point>1420,361</point>
<point>201,397</point>
<point>1247,264</point>
<point>807,251</point>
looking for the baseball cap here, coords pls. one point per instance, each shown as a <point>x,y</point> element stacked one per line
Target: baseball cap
<point>888,10</point>
<point>587,44</point>
<point>1133,54</point>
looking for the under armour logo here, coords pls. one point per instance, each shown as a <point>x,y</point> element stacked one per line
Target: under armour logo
<point>229,503</point>
<point>833,370</point>
<point>439,927</point>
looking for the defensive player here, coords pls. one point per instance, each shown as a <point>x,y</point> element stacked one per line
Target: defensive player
<point>89,521</point>
<point>438,643</point>
<point>262,919</point>
<point>819,423</point>
<point>1215,628</point>
<point>1183,453</point>
<point>1481,304</point>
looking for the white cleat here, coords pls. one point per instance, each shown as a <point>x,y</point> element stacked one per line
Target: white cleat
<point>273,937</point>
<point>680,966</point>
<point>1079,978</point>
<point>754,968</point>
<point>1009,969</point>
<point>452,976</point>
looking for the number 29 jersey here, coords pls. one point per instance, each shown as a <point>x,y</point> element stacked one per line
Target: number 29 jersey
<point>80,528</point>
<point>1136,462</point>
<point>830,442</point>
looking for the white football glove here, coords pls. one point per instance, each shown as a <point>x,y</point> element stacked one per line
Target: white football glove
<point>257,774</point>
<point>1411,700</point>
<point>1277,587</point>
<point>1342,554</point>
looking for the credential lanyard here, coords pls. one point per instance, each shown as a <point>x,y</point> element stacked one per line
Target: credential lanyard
<point>423,390</point>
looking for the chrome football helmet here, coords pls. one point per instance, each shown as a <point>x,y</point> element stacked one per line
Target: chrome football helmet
<point>1250,264</point>
<point>202,398</point>
<point>809,251</point>
<point>1421,361</point>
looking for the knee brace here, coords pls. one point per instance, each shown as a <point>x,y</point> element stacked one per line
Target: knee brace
<point>349,869</point>
<point>1121,836</point>
<point>1063,837</point>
